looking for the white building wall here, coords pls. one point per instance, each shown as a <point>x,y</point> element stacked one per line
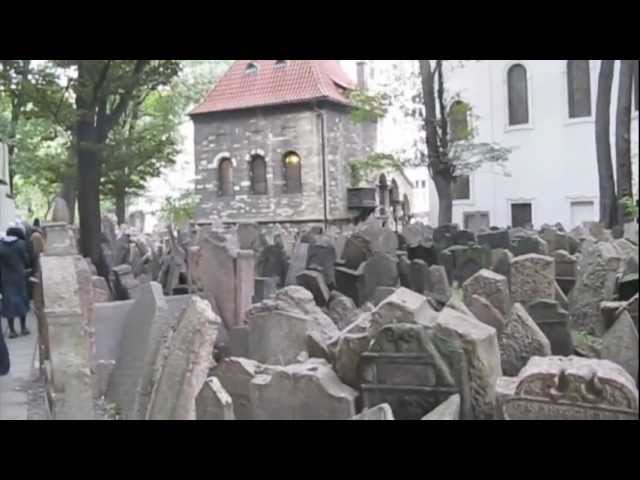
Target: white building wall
<point>554,159</point>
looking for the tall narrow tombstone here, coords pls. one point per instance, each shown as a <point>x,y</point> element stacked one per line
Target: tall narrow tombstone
<point>322,254</point>
<point>419,276</point>
<point>439,287</point>
<point>298,262</point>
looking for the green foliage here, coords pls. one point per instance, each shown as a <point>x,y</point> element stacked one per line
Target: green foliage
<point>368,107</point>
<point>363,170</point>
<point>179,210</point>
<point>629,207</point>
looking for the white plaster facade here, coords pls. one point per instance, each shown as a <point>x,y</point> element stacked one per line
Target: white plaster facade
<point>553,164</point>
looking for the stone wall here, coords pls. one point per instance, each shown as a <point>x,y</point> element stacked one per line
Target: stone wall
<point>272,132</point>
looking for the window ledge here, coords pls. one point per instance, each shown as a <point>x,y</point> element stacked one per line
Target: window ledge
<point>515,128</point>
<point>579,120</point>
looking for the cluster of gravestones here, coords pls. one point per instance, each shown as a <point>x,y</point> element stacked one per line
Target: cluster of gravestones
<point>432,323</point>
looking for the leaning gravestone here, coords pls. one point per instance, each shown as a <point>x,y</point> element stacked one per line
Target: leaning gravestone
<point>486,313</point>
<point>439,288</point>
<point>554,323</point>
<point>572,388</point>
<point>356,251</point>
<point>448,410</point>
<point>530,244</point>
<point>273,262</point>
<point>213,402</point>
<point>322,254</point>
<point>419,276</point>
<point>532,277</point>
<point>490,285</point>
<point>501,260</point>
<point>298,262</point>
<point>315,283</point>
<point>147,328</point>
<point>620,344</point>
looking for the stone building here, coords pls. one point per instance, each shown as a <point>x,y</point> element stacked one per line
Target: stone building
<point>273,140</point>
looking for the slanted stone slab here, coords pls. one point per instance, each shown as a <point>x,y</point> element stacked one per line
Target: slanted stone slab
<point>501,262</point>
<point>561,297</point>
<point>213,402</point>
<point>448,410</point>
<point>183,365</point>
<point>490,285</point>
<point>382,293</point>
<point>315,283</point>
<point>381,270</point>
<point>495,239</point>
<point>521,340</point>
<point>419,276</point>
<point>298,262</point>
<point>554,323</point>
<point>351,283</point>
<point>306,391</point>
<point>572,388</point>
<point>532,277</point>
<point>479,343</point>
<point>487,313</point>
<point>146,330</point>
<point>379,412</point>
<point>277,337</point>
<point>620,344</point>
<point>439,287</point>
<point>530,244</point>
<point>598,268</point>
<point>341,309</point>
<point>404,306</point>
<point>347,363</point>
<point>322,255</point>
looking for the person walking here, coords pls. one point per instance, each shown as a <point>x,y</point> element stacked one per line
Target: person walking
<point>14,264</point>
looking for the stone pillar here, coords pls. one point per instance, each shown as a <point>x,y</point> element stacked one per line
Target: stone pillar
<point>245,287</point>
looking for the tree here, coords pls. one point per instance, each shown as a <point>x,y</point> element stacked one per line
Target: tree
<point>104,90</point>
<point>177,210</point>
<point>623,135</point>
<point>606,183</point>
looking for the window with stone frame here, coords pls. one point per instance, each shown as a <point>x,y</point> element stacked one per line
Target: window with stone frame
<point>225,178</point>
<point>518,95</point>
<point>258,174</point>
<point>292,165</point>
<point>459,121</point>
<point>579,88</point>
<point>460,188</point>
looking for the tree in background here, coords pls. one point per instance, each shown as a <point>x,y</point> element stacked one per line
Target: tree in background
<point>623,137</point>
<point>178,210</point>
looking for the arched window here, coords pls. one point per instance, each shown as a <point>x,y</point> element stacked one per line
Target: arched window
<point>518,94</point>
<point>252,69</point>
<point>292,173</point>
<point>394,192</point>
<point>258,173</point>
<point>225,178</point>
<point>458,121</point>
<point>579,88</point>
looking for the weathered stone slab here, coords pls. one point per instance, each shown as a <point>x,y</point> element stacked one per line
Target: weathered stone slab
<point>213,402</point>
<point>572,388</point>
<point>381,270</point>
<point>273,262</point>
<point>298,262</point>
<point>554,323</point>
<point>419,276</point>
<point>315,283</point>
<point>404,306</point>
<point>307,391</point>
<point>235,374</point>
<point>61,240</point>
<point>264,287</point>
<point>277,337</point>
<point>487,313</point>
<point>404,268</point>
<point>347,357</point>
<point>479,343</point>
<point>447,410</point>
<point>521,340</point>
<point>555,239</point>
<point>379,412</point>
<point>495,239</point>
<point>101,292</point>
<point>490,285</point>
<point>322,256</point>
<point>341,309</point>
<point>146,330</point>
<point>382,293</point>
<point>351,283</point>
<point>532,277</point>
<point>501,262</point>
<point>183,364</point>
<point>357,250</point>
<point>597,268</point>
<point>620,344</point>
<point>530,245</point>
<point>561,298</point>
<point>439,287</point>
<point>469,260</point>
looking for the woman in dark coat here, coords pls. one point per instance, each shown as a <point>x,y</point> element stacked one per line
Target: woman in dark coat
<point>14,262</point>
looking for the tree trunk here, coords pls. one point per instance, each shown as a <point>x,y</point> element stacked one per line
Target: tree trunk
<point>603,145</point>
<point>623,135</point>
<point>445,200</point>
<point>121,209</point>
<point>68,193</point>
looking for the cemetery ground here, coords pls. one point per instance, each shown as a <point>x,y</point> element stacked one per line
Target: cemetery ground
<point>249,322</point>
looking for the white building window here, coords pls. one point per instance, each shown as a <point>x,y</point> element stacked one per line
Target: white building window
<point>518,95</point>
<point>579,88</point>
<point>461,188</point>
<point>521,215</point>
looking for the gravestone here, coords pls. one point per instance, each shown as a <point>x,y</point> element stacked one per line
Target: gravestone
<point>298,262</point>
<point>382,293</point>
<point>264,287</point>
<point>315,283</point>
<point>463,237</point>
<point>555,239</point>
<point>404,306</point>
<point>501,262</point>
<point>60,211</point>
<point>379,412</point>
<point>61,240</point>
<point>381,270</point>
<point>530,244</point>
<point>620,344</point>
<point>597,267</point>
<point>356,251</point>
<point>476,221</point>
<point>439,288</point>
<point>404,268</point>
<point>213,402</point>
<point>566,270</point>
<point>469,260</point>
<point>532,277</point>
<point>426,253</point>
<point>572,388</point>
<point>419,276</point>
<point>304,391</point>
<point>146,330</point>
<point>351,283</point>
<point>443,236</point>
<point>447,410</point>
<point>494,239</point>
<point>341,309</point>
<point>521,340</point>
<point>486,313</point>
<point>276,337</point>
<point>125,285</point>
<point>340,242</point>
<point>491,286</point>
<point>404,368</point>
<point>322,254</point>
<point>347,356</point>
<point>554,323</point>
<point>250,237</point>
<point>273,262</point>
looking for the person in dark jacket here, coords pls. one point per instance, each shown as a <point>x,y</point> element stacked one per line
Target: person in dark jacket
<point>14,264</point>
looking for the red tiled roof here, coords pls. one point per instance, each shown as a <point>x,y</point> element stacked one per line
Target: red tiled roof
<point>297,81</point>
